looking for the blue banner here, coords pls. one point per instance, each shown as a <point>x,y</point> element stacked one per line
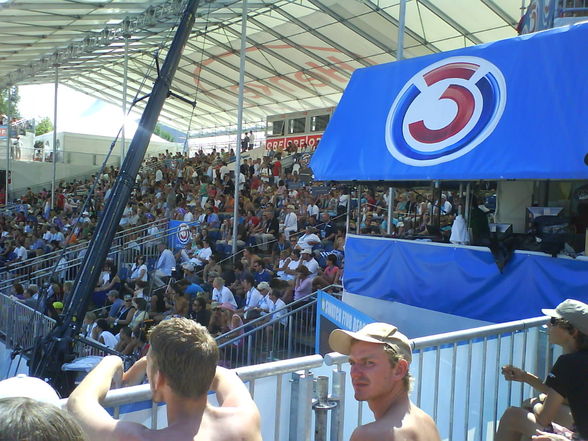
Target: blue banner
<point>332,314</point>
<point>463,281</point>
<point>539,16</point>
<point>180,234</point>
<point>504,110</point>
<point>3,132</point>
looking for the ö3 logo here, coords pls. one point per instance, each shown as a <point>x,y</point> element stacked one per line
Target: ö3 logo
<point>445,110</point>
<point>183,234</point>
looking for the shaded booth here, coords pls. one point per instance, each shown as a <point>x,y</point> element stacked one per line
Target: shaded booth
<point>510,116</point>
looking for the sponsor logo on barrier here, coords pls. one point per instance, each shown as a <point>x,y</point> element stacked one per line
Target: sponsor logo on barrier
<point>445,111</point>
<point>183,234</point>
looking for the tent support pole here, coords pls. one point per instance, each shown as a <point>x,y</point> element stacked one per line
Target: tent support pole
<point>53,186</point>
<point>390,210</point>
<point>357,224</point>
<point>401,26</point>
<point>239,126</point>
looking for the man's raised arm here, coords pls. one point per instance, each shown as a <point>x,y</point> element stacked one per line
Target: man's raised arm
<point>84,404</point>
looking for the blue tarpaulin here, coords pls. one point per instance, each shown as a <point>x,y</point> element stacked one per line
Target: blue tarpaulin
<point>511,109</point>
<point>463,281</point>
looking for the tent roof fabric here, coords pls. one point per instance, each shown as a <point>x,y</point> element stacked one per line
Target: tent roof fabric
<point>300,53</point>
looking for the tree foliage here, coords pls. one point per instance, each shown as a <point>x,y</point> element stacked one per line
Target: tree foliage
<point>44,126</point>
<point>4,108</point>
<point>159,131</point>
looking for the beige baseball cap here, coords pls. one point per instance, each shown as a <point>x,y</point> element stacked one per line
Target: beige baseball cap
<point>573,311</point>
<point>383,333</point>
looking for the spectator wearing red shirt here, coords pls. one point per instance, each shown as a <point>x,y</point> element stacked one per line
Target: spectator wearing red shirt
<point>277,169</point>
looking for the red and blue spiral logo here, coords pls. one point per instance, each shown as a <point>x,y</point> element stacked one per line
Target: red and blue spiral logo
<point>445,111</point>
<point>183,234</point>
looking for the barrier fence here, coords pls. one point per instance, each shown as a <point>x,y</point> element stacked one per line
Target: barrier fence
<point>21,325</point>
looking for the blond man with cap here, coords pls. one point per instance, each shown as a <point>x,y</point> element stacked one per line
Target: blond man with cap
<point>380,357</point>
<point>567,381</point>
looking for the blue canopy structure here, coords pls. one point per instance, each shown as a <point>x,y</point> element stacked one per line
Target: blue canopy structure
<point>512,109</point>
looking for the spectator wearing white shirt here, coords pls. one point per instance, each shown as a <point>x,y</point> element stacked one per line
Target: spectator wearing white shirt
<point>164,265</point>
<point>289,273</point>
<point>158,175</point>
<point>309,262</point>
<point>277,307</point>
<point>189,215</point>
<point>56,235</point>
<point>253,297</point>
<point>103,334</point>
<point>446,206</point>
<point>290,222</point>
<point>221,293</point>
<point>20,251</point>
<point>313,210</point>
<point>264,289</point>
<point>224,170</point>
<point>308,239</point>
<point>203,255</point>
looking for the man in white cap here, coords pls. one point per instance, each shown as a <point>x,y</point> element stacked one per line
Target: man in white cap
<point>380,357</point>
<point>567,381</point>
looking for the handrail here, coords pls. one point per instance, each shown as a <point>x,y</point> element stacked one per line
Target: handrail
<point>52,257</point>
<point>142,392</point>
<point>309,300</point>
<point>419,343</point>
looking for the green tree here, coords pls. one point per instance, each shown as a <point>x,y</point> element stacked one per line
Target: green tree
<point>14,112</point>
<point>44,126</point>
<point>159,131</point>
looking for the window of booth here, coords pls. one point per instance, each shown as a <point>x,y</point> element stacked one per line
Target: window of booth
<point>297,125</point>
<point>318,123</point>
<point>278,127</point>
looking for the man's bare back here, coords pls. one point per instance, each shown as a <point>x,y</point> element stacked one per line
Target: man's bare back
<point>189,415</point>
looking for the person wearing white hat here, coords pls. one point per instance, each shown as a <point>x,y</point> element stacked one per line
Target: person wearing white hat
<point>380,357</point>
<point>567,381</point>
<point>28,387</point>
<point>23,418</point>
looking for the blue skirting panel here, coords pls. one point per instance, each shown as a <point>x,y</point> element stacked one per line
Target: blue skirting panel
<point>463,281</point>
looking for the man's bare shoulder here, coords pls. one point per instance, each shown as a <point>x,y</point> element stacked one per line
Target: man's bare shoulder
<point>230,423</point>
<point>414,425</point>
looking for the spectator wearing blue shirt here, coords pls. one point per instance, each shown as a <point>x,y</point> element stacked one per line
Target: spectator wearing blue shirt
<point>260,274</point>
<point>115,302</point>
<point>212,219</point>
<point>164,265</point>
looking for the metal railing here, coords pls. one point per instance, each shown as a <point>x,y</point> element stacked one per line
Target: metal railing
<point>126,246</point>
<point>457,381</point>
<point>21,325</point>
<point>284,333</point>
<point>254,376</point>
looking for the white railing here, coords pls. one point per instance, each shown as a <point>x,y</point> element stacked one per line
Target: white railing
<point>456,375</point>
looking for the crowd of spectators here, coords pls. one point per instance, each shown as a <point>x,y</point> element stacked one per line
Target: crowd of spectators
<point>290,240</point>
<point>285,224</point>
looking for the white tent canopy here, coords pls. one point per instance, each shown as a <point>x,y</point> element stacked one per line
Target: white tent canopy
<point>299,56</point>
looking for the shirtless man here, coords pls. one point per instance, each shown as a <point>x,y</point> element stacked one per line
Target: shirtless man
<point>380,357</point>
<point>181,368</point>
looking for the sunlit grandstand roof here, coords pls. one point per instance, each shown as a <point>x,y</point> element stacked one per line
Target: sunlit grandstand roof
<point>300,53</point>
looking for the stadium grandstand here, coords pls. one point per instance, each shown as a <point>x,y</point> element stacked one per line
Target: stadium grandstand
<point>295,201</point>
